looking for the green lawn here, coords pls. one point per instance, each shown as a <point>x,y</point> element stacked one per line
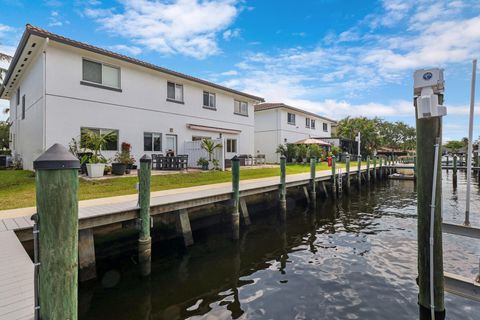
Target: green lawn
<point>17,188</point>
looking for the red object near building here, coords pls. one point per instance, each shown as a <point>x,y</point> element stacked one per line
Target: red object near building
<point>329,160</point>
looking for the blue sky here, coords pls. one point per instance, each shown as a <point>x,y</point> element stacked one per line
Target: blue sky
<point>335,58</point>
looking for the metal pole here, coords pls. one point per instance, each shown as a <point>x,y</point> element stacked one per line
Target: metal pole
<point>145,240</point>
<point>470,138</point>
<point>56,184</point>
<point>235,216</point>
<point>283,189</point>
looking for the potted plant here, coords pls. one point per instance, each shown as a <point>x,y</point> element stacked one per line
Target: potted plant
<point>210,146</point>
<point>123,160</point>
<point>95,141</point>
<point>203,163</point>
<point>302,153</point>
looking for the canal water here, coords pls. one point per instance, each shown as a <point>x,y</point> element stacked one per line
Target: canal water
<point>354,258</point>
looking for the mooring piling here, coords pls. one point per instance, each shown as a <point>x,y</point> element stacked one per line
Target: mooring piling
<point>347,169</point>
<point>359,170</point>
<point>380,167</point>
<point>429,212</point>
<point>368,169</point>
<point>56,184</point>
<point>144,240</point>
<point>334,176</point>
<point>374,168</point>
<point>455,167</point>
<point>313,189</point>
<point>283,188</point>
<point>235,215</point>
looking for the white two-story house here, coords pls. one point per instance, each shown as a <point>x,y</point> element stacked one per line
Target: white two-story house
<point>278,123</point>
<point>58,87</point>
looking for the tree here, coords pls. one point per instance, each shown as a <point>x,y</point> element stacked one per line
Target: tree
<point>8,59</point>
<point>210,146</point>
<point>4,135</point>
<point>455,145</point>
<point>369,130</point>
<point>397,135</point>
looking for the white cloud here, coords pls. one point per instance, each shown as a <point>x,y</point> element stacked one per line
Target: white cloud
<point>231,34</point>
<point>229,73</point>
<point>131,50</point>
<point>56,19</point>
<point>189,27</point>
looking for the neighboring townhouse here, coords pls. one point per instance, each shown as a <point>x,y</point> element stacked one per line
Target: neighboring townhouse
<point>278,123</point>
<point>58,87</point>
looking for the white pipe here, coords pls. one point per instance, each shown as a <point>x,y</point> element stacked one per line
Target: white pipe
<point>432,225</point>
<point>470,138</point>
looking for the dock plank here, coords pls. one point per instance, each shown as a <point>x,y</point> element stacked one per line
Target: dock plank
<point>16,279</point>
<point>10,224</point>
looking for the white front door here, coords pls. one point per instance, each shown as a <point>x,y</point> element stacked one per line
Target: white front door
<point>171,143</point>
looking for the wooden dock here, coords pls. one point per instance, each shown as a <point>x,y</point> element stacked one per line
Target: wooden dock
<point>16,279</point>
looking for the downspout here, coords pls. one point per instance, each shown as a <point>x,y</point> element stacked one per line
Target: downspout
<point>432,226</point>
<point>44,91</point>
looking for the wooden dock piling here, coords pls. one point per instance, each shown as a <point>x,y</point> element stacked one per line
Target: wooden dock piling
<point>235,215</point>
<point>455,167</point>
<point>183,227</point>
<point>374,168</point>
<point>283,189</point>
<point>368,168</point>
<point>334,176</point>
<point>347,169</point>
<point>359,171</point>
<point>144,240</point>
<point>429,133</point>
<point>313,189</point>
<point>56,184</point>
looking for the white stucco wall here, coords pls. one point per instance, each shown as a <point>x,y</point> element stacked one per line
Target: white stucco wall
<point>27,134</point>
<point>142,105</point>
<point>272,129</point>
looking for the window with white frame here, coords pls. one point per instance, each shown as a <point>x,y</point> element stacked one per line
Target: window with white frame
<point>111,143</point>
<point>174,91</point>
<point>102,74</point>
<point>232,145</point>
<point>312,124</point>
<point>241,107</point>
<point>209,100</point>
<point>325,127</point>
<point>307,122</point>
<point>291,118</point>
<point>152,141</point>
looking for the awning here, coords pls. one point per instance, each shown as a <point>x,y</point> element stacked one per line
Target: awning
<point>313,141</point>
<point>212,129</point>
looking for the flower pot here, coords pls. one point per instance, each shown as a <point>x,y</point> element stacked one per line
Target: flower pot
<point>95,170</point>
<point>205,166</point>
<point>119,169</point>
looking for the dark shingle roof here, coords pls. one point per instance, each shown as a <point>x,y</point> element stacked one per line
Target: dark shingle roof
<point>32,30</point>
<point>276,105</point>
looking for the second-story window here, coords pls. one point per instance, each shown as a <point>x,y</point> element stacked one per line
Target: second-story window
<point>18,96</point>
<point>241,107</point>
<point>209,100</point>
<point>102,74</point>
<point>312,124</point>
<point>291,118</point>
<point>307,122</point>
<point>174,91</point>
<point>325,127</point>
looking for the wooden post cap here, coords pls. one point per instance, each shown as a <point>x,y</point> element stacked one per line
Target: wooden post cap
<point>55,158</point>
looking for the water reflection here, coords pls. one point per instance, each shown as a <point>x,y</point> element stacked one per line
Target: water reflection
<point>350,258</point>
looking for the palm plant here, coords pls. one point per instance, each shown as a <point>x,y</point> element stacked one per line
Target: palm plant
<point>95,141</point>
<point>7,58</point>
<point>210,146</point>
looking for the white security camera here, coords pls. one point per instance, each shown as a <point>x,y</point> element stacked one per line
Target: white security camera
<point>427,84</point>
